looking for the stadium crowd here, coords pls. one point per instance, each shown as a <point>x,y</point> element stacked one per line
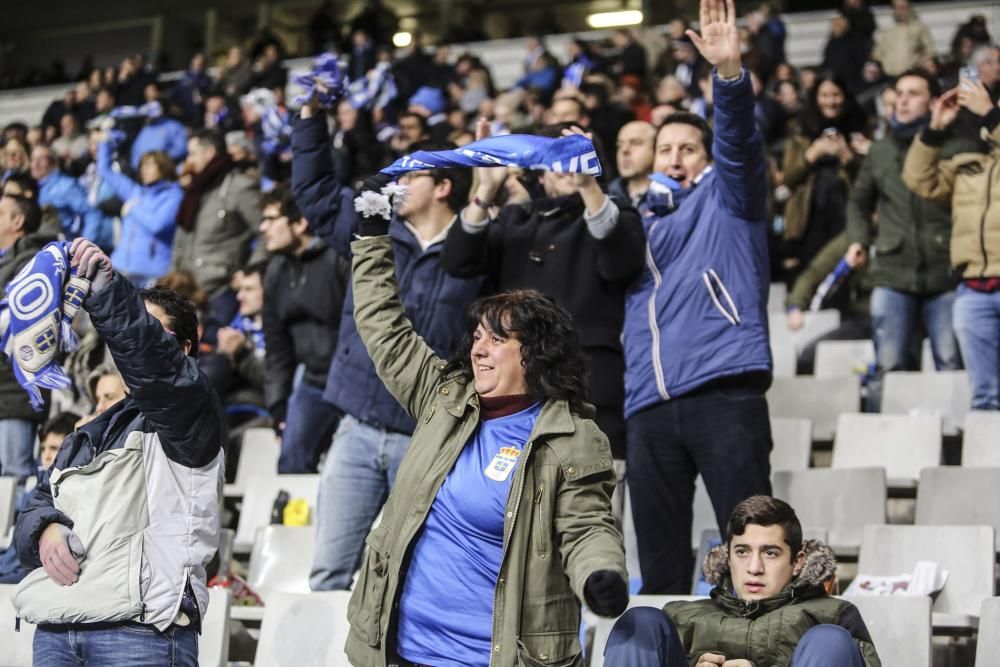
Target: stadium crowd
<point>863,183</point>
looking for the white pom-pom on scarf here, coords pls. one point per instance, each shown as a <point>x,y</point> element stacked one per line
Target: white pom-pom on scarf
<point>370,204</point>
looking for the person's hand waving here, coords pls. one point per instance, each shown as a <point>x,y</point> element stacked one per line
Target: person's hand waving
<point>719,41</point>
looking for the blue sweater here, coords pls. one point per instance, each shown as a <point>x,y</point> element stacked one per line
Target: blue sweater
<point>148,228</point>
<point>699,310</point>
<point>432,300</point>
<point>457,557</point>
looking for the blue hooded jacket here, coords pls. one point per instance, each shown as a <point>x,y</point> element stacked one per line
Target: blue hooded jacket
<point>698,312</point>
<point>147,235</point>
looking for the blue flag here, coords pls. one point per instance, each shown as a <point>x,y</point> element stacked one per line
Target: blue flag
<point>573,154</point>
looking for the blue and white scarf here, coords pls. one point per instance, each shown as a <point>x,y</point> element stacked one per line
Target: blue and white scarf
<point>36,319</point>
<point>149,110</point>
<point>275,129</point>
<point>572,154</point>
<point>326,71</point>
<point>376,90</point>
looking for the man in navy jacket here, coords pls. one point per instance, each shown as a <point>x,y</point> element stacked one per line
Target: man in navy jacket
<point>696,340</point>
<point>375,430</point>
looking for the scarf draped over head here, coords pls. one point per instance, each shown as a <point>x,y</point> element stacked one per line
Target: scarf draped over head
<point>217,168</point>
<point>36,319</point>
<point>571,154</point>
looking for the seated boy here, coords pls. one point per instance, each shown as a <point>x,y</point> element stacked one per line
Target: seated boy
<point>769,606</point>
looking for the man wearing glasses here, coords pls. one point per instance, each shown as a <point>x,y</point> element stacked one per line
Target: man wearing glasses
<point>375,431</point>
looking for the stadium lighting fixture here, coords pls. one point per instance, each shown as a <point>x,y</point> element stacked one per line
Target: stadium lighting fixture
<point>615,19</point>
<point>402,39</point>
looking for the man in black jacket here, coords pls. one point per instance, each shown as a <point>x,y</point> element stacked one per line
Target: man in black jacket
<point>20,219</point>
<point>119,534</point>
<point>303,299</point>
<point>576,244</point>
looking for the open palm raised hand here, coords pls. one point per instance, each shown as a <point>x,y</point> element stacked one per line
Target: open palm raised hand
<point>719,41</point>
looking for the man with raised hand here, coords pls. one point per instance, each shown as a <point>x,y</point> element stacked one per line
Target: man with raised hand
<point>118,535</point>
<point>375,430</point>
<point>696,340</point>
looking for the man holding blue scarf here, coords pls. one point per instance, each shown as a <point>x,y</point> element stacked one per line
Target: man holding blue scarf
<point>696,340</point>
<point>910,263</point>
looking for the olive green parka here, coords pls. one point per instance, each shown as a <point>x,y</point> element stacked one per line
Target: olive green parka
<point>558,527</point>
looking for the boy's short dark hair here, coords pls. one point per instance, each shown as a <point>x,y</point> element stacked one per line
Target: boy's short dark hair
<point>182,314</point>
<point>766,511</point>
<point>62,424</point>
<point>460,177</point>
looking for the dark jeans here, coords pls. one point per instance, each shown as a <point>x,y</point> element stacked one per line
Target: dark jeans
<point>309,425</point>
<point>723,433</point>
<point>115,645</point>
<point>646,637</point>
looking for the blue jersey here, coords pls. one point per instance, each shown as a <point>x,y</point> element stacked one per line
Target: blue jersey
<point>446,609</point>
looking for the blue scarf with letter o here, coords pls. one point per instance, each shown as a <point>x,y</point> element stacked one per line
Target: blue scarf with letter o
<point>36,319</point>
<point>572,154</point>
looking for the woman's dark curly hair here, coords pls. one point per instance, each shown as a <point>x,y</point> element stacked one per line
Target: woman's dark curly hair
<point>554,366</point>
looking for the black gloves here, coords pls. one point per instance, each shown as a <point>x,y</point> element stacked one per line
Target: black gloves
<point>606,593</point>
<point>370,221</point>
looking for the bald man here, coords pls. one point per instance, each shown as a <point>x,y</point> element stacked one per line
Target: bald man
<point>635,161</point>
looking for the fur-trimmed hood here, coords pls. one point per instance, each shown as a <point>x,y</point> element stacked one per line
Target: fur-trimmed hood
<point>819,566</point>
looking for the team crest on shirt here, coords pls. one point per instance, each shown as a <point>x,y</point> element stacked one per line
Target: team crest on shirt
<point>502,464</point>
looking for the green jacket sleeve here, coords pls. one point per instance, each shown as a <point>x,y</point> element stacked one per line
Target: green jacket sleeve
<point>405,363</point>
<point>589,539</point>
<point>861,206</point>
<point>819,268</point>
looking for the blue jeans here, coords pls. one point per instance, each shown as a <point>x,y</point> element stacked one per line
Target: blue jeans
<point>17,448</point>
<point>117,645</point>
<point>723,433</point>
<point>896,322</point>
<point>309,424</point>
<point>354,484</point>
<point>977,323</point>
<point>647,637</point>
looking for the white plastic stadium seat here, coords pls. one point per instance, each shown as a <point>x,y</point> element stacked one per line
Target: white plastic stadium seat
<point>981,439</point>
<point>966,552</point>
<point>959,496</point>
<point>259,500</point>
<point>842,501</point>
<point>843,358</point>
<point>988,645</point>
<point>213,645</point>
<point>818,399</point>
<point>259,452</point>
<point>900,627</point>
<point>792,443</point>
<point>304,630</point>
<point>777,293</point>
<point>902,444</point>
<point>281,559</point>
<point>945,393</point>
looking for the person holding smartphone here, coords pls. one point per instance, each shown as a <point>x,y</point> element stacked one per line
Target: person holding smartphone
<point>819,165</point>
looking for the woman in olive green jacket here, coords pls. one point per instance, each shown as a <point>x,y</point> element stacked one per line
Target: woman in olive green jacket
<point>545,544</point>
